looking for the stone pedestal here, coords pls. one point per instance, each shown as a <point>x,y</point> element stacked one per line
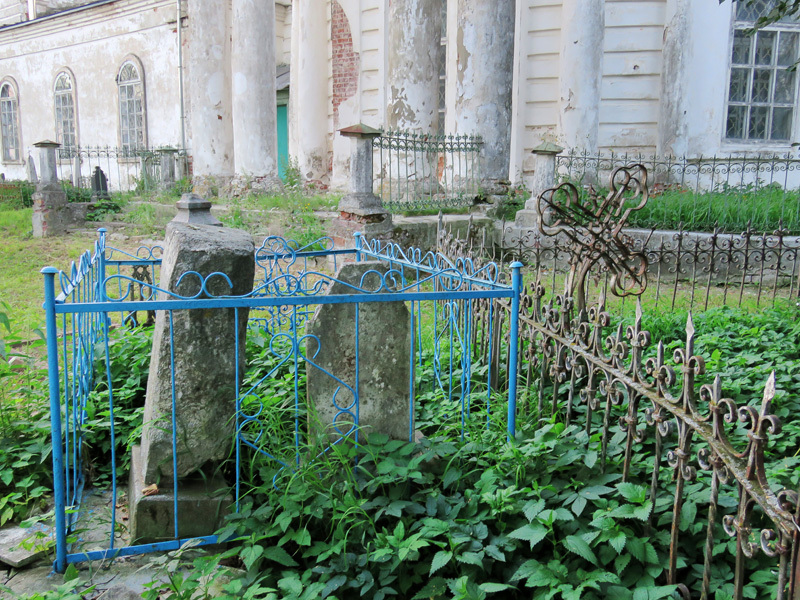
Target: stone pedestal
<point>51,216</point>
<point>192,209</point>
<point>202,505</point>
<point>384,346</point>
<point>360,210</point>
<point>544,178</point>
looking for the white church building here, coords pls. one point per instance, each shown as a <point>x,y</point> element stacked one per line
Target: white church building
<point>678,77</point>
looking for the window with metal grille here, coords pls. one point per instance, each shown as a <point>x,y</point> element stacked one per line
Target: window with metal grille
<point>65,114</point>
<point>131,108</point>
<point>762,93</point>
<point>9,122</point>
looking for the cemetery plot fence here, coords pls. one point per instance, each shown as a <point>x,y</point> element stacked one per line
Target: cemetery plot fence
<point>106,286</point>
<point>420,171</point>
<point>681,437</point>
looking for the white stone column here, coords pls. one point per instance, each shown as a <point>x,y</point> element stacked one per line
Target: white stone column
<point>254,108</point>
<point>412,79</point>
<point>210,98</point>
<point>308,108</point>
<point>413,46</point>
<point>581,72</point>
<point>485,49</point>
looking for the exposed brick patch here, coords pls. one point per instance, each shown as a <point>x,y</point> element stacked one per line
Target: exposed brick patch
<point>346,63</point>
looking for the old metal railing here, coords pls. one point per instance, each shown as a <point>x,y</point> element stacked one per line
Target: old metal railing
<point>126,169</point>
<point>420,171</point>
<point>704,192</point>
<point>108,285</point>
<point>686,270</point>
<point>579,363</point>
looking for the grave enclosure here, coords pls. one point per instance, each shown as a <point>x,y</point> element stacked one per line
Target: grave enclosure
<point>351,338</point>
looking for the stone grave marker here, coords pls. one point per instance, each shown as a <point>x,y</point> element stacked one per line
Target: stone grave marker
<point>99,185</point>
<point>384,346</point>
<point>205,364</point>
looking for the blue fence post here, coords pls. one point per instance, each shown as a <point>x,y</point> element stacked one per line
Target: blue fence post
<point>513,346</point>
<point>101,265</point>
<point>357,235</point>
<point>55,416</point>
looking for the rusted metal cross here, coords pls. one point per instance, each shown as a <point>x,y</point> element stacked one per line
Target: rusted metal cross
<point>593,225</point>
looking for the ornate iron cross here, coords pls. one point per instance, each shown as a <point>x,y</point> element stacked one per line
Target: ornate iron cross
<point>593,224</point>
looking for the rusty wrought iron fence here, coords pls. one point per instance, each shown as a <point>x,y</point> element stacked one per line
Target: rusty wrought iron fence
<point>419,171</point>
<point>706,192</point>
<point>671,425</point>
<point>687,270</point>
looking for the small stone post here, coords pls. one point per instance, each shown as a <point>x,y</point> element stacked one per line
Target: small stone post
<point>47,164</point>
<point>167,156</point>
<point>361,210</point>
<point>50,215</point>
<point>544,178</point>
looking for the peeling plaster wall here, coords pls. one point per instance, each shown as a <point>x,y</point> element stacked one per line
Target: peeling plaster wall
<point>539,62</point>
<point>93,44</point>
<point>631,86</point>
<point>700,97</point>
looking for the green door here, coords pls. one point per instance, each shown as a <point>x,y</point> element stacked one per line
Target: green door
<point>283,141</point>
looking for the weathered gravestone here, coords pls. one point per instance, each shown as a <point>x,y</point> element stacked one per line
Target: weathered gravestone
<point>99,185</point>
<point>384,346</point>
<point>204,360</point>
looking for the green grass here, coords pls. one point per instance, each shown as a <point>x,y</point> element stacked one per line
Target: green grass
<point>22,257</point>
<point>731,210</point>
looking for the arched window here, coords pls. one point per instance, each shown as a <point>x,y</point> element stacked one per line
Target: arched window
<point>9,122</point>
<point>131,107</point>
<point>65,113</point>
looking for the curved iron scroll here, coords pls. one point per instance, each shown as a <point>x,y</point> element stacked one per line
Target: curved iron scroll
<point>593,224</point>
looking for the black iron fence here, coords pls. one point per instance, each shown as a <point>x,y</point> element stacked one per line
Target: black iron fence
<point>703,193</point>
<point>419,171</point>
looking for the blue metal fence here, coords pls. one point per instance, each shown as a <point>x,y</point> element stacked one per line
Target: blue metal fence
<point>102,288</point>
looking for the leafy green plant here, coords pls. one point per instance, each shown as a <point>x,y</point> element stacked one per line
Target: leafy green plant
<point>76,194</point>
<point>16,194</point>
<point>102,209</point>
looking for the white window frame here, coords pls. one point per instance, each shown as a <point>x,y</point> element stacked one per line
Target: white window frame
<point>65,99</point>
<point>766,142</point>
<point>130,95</point>
<point>9,105</point>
